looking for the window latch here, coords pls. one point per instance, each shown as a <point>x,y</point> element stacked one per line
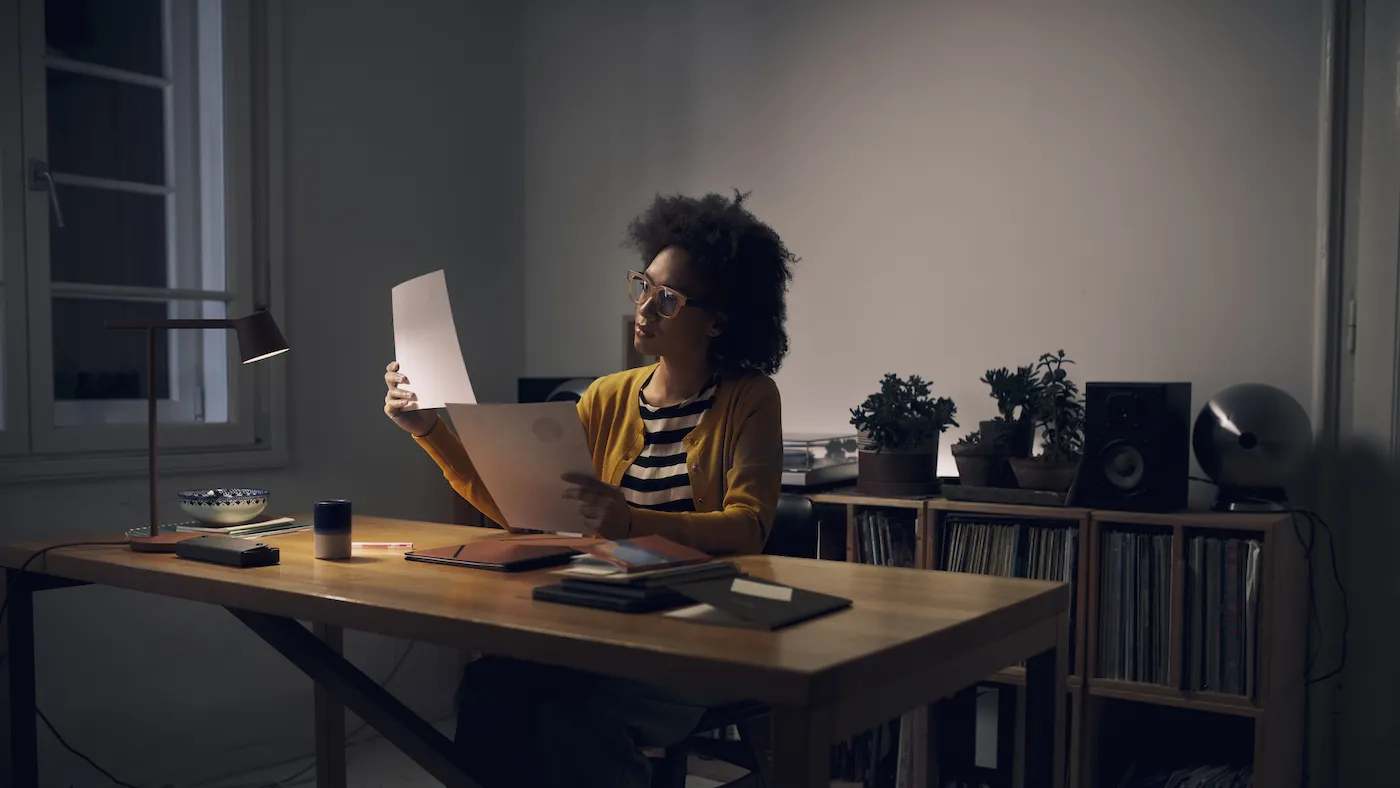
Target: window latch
<point>41,180</point>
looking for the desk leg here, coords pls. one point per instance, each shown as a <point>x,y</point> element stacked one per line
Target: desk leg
<point>369,701</point>
<point>20,742</point>
<point>1045,713</point>
<point>801,748</point>
<point>330,720</point>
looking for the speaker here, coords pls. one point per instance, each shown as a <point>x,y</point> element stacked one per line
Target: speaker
<point>1137,446</point>
<point>551,389</point>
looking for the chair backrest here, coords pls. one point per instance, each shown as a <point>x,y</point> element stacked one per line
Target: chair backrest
<point>794,528</point>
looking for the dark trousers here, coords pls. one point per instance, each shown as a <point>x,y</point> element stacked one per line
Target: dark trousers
<point>526,724</point>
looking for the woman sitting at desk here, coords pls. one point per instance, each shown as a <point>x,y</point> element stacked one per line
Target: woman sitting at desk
<point>689,448</point>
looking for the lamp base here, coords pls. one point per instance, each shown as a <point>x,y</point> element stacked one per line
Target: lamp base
<point>1251,499</point>
<point>162,543</point>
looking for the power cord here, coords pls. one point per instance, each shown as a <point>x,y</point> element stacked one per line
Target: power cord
<point>10,587</point>
<point>74,750</point>
<point>1313,635</point>
<point>4,606</point>
<point>287,782</point>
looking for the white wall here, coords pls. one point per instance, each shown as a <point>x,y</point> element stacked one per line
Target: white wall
<point>968,184</point>
<point>403,150</point>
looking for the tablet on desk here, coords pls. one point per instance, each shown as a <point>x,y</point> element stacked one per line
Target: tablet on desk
<point>501,555</point>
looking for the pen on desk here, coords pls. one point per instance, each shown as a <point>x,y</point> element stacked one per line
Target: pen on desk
<point>387,545</point>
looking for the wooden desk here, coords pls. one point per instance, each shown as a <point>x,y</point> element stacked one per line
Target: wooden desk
<point>911,638</point>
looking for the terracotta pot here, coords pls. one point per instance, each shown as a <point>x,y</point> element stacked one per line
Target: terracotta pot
<point>1036,474</point>
<point>975,468</point>
<point>898,473</point>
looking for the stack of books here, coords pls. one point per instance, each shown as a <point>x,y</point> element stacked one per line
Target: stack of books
<point>270,526</point>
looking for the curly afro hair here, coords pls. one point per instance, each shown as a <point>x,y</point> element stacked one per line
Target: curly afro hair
<point>742,261</point>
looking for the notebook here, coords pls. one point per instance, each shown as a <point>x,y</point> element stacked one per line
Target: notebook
<point>502,555</point>
<point>642,554</point>
<point>750,602</point>
<point>606,596</point>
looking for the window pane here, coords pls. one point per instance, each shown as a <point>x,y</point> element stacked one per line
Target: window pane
<point>100,373</point>
<point>124,34</point>
<point>106,129</point>
<point>110,238</point>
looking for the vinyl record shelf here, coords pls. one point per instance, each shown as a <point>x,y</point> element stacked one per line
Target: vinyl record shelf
<point>1188,629</point>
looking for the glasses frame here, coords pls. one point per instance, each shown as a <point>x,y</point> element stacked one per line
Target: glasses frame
<point>682,300</point>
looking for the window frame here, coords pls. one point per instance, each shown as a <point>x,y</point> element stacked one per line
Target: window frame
<point>255,436</point>
<point>14,394</point>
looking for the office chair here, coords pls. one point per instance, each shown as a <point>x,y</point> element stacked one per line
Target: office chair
<point>794,534</point>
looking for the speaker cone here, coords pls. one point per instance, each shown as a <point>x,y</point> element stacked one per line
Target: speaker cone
<point>1123,465</point>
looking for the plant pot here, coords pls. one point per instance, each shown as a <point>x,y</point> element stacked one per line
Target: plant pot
<point>898,472</point>
<point>1017,437</point>
<point>1037,474</point>
<point>975,467</point>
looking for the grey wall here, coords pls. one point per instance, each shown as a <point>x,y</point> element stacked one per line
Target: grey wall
<point>968,184</point>
<point>403,128</point>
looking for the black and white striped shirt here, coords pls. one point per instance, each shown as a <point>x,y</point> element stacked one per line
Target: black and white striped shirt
<point>658,478</point>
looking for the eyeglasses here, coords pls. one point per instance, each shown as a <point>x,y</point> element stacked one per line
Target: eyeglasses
<point>668,301</point>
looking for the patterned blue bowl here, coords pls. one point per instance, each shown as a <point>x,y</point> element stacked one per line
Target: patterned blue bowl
<point>224,506</point>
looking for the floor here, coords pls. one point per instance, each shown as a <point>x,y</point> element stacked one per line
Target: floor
<point>375,763</point>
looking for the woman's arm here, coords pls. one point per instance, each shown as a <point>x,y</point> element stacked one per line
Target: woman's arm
<point>447,451</point>
<point>754,484</point>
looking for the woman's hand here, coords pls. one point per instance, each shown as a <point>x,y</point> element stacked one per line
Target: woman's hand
<point>602,505</point>
<point>415,422</point>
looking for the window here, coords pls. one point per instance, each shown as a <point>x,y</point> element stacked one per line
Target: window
<point>127,191</point>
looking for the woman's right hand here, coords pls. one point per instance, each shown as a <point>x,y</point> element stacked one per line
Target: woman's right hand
<point>414,422</point>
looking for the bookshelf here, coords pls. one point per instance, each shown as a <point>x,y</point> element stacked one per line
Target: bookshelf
<point>1186,626</point>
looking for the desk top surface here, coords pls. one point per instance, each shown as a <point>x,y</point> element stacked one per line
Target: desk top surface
<point>899,617</point>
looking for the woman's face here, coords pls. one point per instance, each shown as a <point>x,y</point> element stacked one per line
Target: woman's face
<point>688,333</point>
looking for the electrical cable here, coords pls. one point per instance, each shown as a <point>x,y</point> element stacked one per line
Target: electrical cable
<point>74,750</point>
<point>1314,629</point>
<point>4,606</point>
<point>9,587</point>
<point>287,782</point>
<point>1308,544</point>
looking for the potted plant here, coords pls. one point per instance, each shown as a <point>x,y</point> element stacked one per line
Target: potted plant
<point>976,460</point>
<point>1061,420</point>
<point>1018,396</point>
<point>898,428</point>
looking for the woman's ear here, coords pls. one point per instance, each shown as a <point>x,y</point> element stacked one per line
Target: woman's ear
<point>716,326</point>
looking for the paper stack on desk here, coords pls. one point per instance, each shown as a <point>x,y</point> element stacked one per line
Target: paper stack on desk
<point>520,451</point>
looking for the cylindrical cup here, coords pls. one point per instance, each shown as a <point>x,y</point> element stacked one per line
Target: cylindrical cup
<point>331,529</point>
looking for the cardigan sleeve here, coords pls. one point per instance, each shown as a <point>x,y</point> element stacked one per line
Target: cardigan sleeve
<point>447,451</point>
<point>753,484</point>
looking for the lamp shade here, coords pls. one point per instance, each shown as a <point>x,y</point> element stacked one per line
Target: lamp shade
<point>259,337</point>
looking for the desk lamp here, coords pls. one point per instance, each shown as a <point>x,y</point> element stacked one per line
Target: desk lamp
<point>258,339</point>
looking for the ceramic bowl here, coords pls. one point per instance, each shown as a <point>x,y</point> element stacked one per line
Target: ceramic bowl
<point>225,506</point>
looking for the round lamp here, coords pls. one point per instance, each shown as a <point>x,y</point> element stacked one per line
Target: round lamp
<point>1251,439</point>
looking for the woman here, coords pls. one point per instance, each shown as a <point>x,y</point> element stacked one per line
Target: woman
<point>689,448</point>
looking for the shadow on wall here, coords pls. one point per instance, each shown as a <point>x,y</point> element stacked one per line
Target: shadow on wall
<point>1368,536</point>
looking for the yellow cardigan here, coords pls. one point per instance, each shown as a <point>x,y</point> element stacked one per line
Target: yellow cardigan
<point>735,456</point>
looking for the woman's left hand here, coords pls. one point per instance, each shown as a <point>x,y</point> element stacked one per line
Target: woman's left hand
<point>602,505</point>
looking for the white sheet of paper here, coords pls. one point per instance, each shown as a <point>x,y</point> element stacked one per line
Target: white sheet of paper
<point>520,451</point>
<point>425,343</point>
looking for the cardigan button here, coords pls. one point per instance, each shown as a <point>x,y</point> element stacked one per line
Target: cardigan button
<point>699,500</point>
